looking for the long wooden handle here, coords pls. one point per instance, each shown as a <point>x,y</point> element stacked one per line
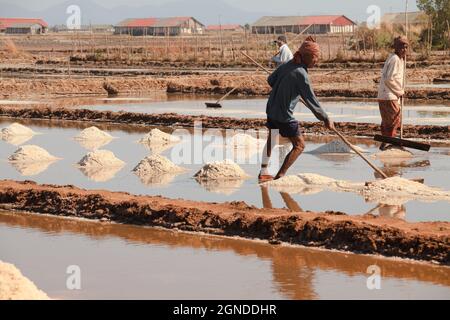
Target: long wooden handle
<point>226,94</point>
<point>374,167</point>
<point>255,62</point>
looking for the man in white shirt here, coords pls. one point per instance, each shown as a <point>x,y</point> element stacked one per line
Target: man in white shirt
<point>391,89</point>
<point>284,54</point>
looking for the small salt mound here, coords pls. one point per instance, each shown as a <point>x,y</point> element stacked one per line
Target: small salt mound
<point>392,153</point>
<point>100,158</point>
<point>335,146</point>
<point>221,170</point>
<point>15,140</point>
<point>15,286</point>
<point>31,153</point>
<point>16,129</point>
<point>242,140</point>
<point>156,165</point>
<point>401,187</point>
<point>93,133</point>
<point>156,136</point>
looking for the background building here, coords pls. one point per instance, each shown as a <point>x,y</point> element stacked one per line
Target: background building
<point>23,26</point>
<point>173,26</point>
<point>224,28</point>
<point>303,24</point>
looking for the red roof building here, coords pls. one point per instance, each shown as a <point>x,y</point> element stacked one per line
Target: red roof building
<point>171,26</point>
<point>303,24</point>
<point>22,25</point>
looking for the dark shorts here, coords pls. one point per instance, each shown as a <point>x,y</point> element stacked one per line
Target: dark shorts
<point>286,129</point>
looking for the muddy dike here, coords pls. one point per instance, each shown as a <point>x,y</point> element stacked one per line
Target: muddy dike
<point>172,119</point>
<point>366,234</point>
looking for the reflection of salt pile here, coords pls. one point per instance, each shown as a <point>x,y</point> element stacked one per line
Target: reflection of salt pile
<point>16,134</point>
<point>309,183</point>
<point>93,138</point>
<point>100,174</point>
<point>156,169</point>
<point>100,165</point>
<point>397,190</point>
<point>392,153</point>
<point>15,286</point>
<point>221,170</point>
<point>157,141</point>
<point>226,187</point>
<point>31,153</point>
<point>31,168</point>
<point>336,146</point>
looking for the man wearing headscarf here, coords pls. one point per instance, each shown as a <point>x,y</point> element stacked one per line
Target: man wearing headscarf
<point>391,89</point>
<point>289,83</point>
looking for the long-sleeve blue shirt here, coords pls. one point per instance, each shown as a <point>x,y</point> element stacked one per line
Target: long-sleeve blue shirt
<point>289,82</point>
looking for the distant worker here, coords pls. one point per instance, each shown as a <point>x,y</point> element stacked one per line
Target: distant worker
<point>289,82</point>
<point>284,54</point>
<point>391,89</point>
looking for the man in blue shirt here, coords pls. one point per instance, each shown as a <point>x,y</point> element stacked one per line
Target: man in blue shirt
<point>290,83</point>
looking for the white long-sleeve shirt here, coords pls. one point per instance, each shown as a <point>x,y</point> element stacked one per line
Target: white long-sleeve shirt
<point>284,56</point>
<point>391,83</point>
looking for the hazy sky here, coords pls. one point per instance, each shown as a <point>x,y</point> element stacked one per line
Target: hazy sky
<point>355,9</point>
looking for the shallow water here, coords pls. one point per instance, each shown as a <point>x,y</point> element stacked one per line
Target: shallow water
<point>131,262</point>
<point>433,166</point>
<point>254,107</point>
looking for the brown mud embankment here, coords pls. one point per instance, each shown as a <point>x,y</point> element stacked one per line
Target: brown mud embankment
<point>326,84</point>
<point>367,234</point>
<point>172,119</point>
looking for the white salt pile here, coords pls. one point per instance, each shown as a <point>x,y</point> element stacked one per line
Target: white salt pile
<point>221,170</point>
<point>311,182</point>
<point>93,133</point>
<point>100,158</point>
<point>392,153</point>
<point>16,129</point>
<point>93,138</point>
<point>158,180</point>
<point>15,286</point>
<point>397,187</point>
<point>156,165</point>
<point>243,140</point>
<point>156,136</point>
<point>335,146</point>
<point>31,153</point>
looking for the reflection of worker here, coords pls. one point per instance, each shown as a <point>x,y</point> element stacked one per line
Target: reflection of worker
<point>391,89</point>
<point>397,211</point>
<point>284,54</point>
<point>289,82</point>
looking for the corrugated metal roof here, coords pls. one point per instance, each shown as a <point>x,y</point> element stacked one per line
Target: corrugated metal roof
<point>217,27</point>
<point>6,22</point>
<point>399,18</point>
<point>301,20</point>
<point>155,22</point>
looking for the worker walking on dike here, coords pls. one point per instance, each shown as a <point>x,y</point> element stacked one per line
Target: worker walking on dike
<point>391,89</point>
<point>284,54</point>
<point>289,82</point>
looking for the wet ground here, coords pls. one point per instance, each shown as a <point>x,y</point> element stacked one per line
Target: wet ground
<point>437,113</point>
<point>432,166</point>
<point>130,262</point>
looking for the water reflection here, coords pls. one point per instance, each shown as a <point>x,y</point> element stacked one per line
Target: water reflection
<point>294,269</point>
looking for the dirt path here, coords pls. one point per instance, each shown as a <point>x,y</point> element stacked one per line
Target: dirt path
<point>173,119</point>
<point>367,234</point>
